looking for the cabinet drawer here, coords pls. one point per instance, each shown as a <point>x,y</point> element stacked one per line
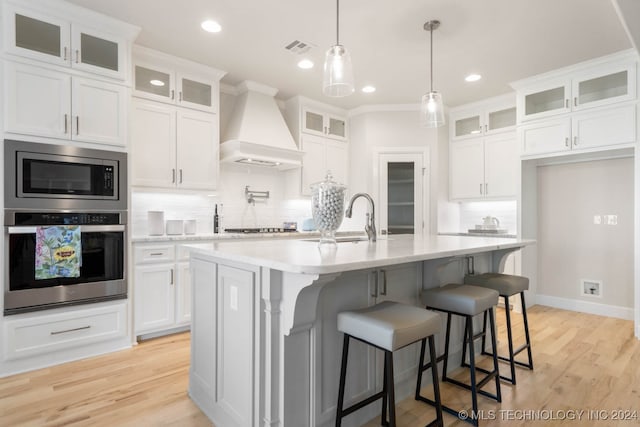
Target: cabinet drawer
<point>40,334</point>
<point>152,254</point>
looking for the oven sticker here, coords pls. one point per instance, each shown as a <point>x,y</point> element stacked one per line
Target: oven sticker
<point>58,252</point>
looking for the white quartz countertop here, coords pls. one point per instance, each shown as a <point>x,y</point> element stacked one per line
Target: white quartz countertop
<point>300,256</point>
<point>236,236</point>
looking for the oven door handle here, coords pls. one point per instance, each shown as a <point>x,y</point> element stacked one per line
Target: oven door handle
<point>83,229</point>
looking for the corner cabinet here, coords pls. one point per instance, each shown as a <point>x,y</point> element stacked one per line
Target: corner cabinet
<point>483,151</point>
<point>587,107</point>
<point>321,132</point>
<point>184,141</point>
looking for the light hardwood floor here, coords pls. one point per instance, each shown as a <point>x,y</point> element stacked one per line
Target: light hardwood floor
<point>582,363</point>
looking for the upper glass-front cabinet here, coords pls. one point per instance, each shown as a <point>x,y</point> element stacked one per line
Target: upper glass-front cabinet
<point>495,115</point>
<point>599,86</point>
<point>158,83</point>
<point>61,42</point>
<point>324,124</point>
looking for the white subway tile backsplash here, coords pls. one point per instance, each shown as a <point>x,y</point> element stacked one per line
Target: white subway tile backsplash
<point>471,214</point>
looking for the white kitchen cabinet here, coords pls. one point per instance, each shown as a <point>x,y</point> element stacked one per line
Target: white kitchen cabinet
<point>183,293</point>
<point>154,297</point>
<point>322,123</point>
<point>593,129</point>
<point>172,80</point>
<point>54,104</point>
<point>576,89</point>
<point>173,147</point>
<point>484,168</point>
<point>67,36</point>
<point>483,118</point>
<point>322,155</point>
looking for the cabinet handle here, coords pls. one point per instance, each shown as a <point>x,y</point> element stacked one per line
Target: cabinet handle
<point>173,93</point>
<point>173,176</point>
<point>575,140</point>
<point>70,330</point>
<point>64,58</point>
<point>77,125</point>
<point>575,101</point>
<point>171,277</point>
<point>180,176</point>
<point>66,125</point>
<point>480,188</point>
<point>566,103</point>
<point>374,294</point>
<point>486,188</point>
<point>77,56</point>
<point>156,254</point>
<point>180,96</point>
<point>384,282</point>
<point>485,128</point>
<point>566,141</point>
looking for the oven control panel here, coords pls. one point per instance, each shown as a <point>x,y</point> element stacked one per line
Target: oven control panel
<point>66,218</point>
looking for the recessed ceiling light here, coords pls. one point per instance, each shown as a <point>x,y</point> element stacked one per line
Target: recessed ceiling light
<point>305,64</point>
<point>155,82</point>
<point>473,77</point>
<point>211,26</point>
<point>369,89</point>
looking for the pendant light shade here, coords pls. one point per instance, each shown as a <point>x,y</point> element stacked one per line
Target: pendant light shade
<point>432,107</point>
<point>338,73</point>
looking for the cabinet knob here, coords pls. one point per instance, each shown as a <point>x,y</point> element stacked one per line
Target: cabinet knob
<point>173,93</point>
<point>384,282</point>
<point>173,176</point>
<point>575,101</point>
<point>64,58</point>
<point>77,125</point>
<point>566,141</point>
<point>180,176</point>
<point>480,188</point>
<point>77,56</point>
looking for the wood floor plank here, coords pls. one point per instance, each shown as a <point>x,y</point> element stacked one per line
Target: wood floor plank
<point>583,363</point>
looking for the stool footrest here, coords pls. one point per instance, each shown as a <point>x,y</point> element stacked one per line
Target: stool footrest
<point>506,359</point>
<point>448,410</point>
<point>362,403</point>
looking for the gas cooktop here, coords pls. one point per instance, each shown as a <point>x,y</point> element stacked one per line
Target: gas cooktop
<point>260,230</point>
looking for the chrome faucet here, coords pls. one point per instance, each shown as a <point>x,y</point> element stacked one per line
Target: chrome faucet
<point>370,228</point>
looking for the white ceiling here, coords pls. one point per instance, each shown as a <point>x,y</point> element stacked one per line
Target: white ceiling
<point>504,40</point>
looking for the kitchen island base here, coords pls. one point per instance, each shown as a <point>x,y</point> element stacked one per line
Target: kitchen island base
<point>265,345</point>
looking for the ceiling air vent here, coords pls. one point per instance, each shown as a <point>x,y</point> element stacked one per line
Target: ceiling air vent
<point>298,47</point>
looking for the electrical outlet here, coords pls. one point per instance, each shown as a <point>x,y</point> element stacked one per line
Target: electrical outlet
<point>591,288</point>
<point>611,219</point>
<point>597,219</point>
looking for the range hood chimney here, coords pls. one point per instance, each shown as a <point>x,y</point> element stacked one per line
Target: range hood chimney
<point>257,133</point>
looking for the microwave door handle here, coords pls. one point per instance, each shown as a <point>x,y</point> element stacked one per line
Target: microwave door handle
<point>83,228</point>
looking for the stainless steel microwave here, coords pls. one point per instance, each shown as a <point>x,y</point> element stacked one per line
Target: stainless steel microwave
<point>49,176</point>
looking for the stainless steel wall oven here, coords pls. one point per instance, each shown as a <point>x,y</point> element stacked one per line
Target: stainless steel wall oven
<point>64,187</point>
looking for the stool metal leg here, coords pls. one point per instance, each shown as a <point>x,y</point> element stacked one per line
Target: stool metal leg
<point>526,330</point>
<point>434,376</point>
<point>512,365</point>
<point>498,395</point>
<point>472,368</point>
<point>343,374</point>
<point>385,393</point>
<point>446,349</point>
<point>388,361</point>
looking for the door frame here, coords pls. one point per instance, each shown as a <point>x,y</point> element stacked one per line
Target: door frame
<point>424,152</point>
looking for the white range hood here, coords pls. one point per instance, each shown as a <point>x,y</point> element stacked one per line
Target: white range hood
<point>257,133</point>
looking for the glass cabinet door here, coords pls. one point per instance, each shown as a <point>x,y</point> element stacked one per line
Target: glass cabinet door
<point>501,119</point>
<point>312,122</point>
<point>337,127</point>
<point>195,93</point>
<point>39,37</point>
<point>153,83</point>
<point>595,90</point>
<point>467,126</point>
<point>546,102</point>
<point>98,53</point>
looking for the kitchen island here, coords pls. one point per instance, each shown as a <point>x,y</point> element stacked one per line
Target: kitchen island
<point>265,349</point>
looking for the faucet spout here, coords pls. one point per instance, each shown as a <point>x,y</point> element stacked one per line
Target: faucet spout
<point>370,227</point>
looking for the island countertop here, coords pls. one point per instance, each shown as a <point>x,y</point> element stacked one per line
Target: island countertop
<point>305,256</point>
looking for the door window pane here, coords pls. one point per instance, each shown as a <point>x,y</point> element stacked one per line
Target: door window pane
<point>152,81</point>
<point>99,52</point>
<point>196,92</point>
<point>400,197</point>
<point>37,35</point>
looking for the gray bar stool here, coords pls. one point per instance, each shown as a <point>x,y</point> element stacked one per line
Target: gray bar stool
<point>507,285</point>
<point>388,326</point>
<point>466,301</point>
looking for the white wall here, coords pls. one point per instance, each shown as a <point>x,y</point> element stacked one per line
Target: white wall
<point>571,247</point>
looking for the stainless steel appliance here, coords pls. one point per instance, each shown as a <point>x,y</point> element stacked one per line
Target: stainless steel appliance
<point>49,176</point>
<point>51,185</point>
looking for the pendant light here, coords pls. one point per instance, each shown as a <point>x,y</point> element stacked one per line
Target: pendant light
<point>338,74</point>
<point>432,109</point>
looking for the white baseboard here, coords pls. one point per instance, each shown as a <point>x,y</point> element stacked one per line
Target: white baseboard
<point>618,312</point>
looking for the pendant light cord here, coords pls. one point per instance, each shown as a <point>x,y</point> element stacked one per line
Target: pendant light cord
<point>337,22</point>
<point>431,56</point>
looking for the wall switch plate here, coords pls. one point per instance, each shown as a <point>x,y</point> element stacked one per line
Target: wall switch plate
<point>611,219</point>
<point>597,219</point>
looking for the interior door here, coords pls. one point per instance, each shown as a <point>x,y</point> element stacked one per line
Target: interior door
<point>401,193</point>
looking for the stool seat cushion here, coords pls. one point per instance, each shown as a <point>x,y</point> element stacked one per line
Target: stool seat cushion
<point>389,325</point>
<point>463,299</point>
<point>505,284</point>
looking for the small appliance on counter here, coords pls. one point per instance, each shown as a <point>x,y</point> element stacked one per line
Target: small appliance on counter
<point>190,226</point>
<point>155,223</point>
<point>490,225</point>
<point>175,227</point>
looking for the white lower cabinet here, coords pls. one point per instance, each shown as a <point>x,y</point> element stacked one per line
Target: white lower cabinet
<point>43,333</point>
<point>581,131</point>
<point>162,287</point>
<point>354,290</point>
